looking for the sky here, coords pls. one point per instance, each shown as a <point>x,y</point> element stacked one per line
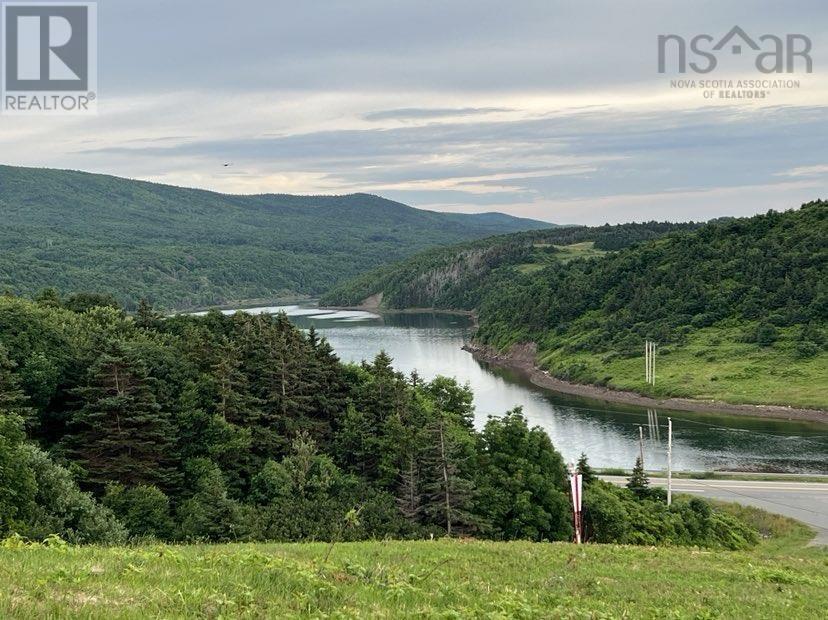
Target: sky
<point>543,109</point>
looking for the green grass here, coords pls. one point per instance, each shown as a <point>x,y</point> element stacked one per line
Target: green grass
<point>564,254</point>
<point>711,365</point>
<point>440,578</point>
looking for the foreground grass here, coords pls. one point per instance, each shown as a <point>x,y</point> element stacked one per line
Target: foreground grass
<point>711,365</point>
<point>441,578</point>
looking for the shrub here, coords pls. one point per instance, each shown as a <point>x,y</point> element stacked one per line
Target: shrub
<point>210,514</point>
<point>766,335</point>
<point>144,509</point>
<point>805,349</point>
<point>60,507</point>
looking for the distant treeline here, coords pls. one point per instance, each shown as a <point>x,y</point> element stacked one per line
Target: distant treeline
<point>242,427</point>
<point>182,248</point>
<point>459,277</point>
<point>759,280</point>
<point>768,269</point>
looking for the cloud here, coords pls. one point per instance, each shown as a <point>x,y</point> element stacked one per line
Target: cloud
<point>534,107</point>
<point>806,171</point>
<point>427,113</point>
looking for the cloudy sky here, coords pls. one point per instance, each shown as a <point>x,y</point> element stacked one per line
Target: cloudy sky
<point>545,109</point>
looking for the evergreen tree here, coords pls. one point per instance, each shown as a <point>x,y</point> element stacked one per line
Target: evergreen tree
<point>638,482</point>
<point>17,483</point>
<point>146,317</point>
<point>233,400</point>
<point>448,487</point>
<point>586,471</point>
<point>209,514</point>
<point>120,434</point>
<point>409,495</point>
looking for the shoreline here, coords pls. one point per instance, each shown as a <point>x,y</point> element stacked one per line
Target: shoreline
<point>471,314</point>
<point>522,359</point>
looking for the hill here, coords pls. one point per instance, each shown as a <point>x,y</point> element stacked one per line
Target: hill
<point>738,306</point>
<point>182,247</point>
<point>424,579</point>
<point>458,277</point>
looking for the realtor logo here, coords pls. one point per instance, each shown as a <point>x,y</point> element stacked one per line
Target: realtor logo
<point>49,57</point>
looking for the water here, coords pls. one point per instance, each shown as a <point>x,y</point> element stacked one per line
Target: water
<point>607,432</point>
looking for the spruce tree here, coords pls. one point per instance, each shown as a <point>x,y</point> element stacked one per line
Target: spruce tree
<point>638,482</point>
<point>233,400</point>
<point>448,490</point>
<point>120,434</point>
<point>146,317</point>
<point>586,471</point>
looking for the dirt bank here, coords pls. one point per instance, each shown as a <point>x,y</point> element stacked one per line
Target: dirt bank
<point>522,359</point>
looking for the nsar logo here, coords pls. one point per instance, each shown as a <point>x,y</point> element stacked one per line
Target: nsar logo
<point>772,54</point>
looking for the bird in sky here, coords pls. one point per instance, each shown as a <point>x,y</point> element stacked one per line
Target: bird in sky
<point>228,165</point>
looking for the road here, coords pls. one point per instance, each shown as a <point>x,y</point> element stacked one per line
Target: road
<point>803,501</point>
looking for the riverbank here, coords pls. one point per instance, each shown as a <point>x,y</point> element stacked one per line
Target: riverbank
<point>377,309</point>
<point>242,304</point>
<point>521,358</point>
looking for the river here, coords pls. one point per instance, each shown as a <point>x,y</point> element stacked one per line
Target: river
<point>607,432</point>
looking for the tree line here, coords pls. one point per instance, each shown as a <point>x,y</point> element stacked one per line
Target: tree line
<point>761,274</point>
<point>184,248</point>
<point>460,277</point>
<point>223,428</point>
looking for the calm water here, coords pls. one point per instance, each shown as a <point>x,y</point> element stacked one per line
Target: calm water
<point>607,432</point>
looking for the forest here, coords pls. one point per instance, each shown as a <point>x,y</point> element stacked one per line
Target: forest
<point>183,248</point>
<point>117,427</point>
<point>458,277</point>
<point>738,306</point>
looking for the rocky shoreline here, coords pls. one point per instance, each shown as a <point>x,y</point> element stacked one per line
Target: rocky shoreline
<point>521,358</point>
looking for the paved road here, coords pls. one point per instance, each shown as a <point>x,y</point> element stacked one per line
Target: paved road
<point>804,501</point>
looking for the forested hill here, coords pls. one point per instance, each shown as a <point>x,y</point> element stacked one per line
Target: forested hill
<point>182,247</point>
<point>739,306</point>
<point>458,277</point>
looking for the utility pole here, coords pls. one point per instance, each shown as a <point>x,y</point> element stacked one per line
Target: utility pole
<point>641,443</point>
<point>669,461</point>
<point>649,362</point>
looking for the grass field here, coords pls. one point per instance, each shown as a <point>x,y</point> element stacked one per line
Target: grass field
<point>564,254</point>
<point>712,364</point>
<point>441,578</point>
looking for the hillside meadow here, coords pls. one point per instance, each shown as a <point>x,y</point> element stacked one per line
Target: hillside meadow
<point>431,578</point>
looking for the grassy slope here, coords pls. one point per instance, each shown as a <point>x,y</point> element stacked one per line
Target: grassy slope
<point>712,365</point>
<point>445,578</point>
<point>185,247</point>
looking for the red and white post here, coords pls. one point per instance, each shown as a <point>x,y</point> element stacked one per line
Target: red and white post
<point>576,489</point>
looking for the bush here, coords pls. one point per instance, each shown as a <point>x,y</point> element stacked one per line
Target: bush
<point>616,515</point>
<point>766,335</point>
<point>606,520</point>
<point>60,507</point>
<point>521,478</point>
<point>144,509</point>
<point>805,349</point>
<point>210,515</point>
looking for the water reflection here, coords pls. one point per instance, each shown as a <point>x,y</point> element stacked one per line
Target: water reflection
<point>607,432</point>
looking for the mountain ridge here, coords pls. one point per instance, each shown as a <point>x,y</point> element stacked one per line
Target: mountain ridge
<point>184,247</point>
